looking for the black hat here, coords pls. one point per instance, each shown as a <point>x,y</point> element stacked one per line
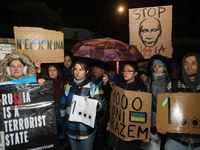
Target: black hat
<point>100,64</point>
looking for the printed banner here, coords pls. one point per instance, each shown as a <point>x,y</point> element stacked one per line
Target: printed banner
<point>83,111</point>
<point>130,114</point>
<point>179,112</point>
<point>28,117</point>
<point>151,30</point>
<point>39,43</point>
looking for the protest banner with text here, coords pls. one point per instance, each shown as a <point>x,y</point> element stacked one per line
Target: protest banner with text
<point>130,114</point>
<point>150,30</point>
<point>28,117</point>
<point>179,112</point>
<point>39,43</point>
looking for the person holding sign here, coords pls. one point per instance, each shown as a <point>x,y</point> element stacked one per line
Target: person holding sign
<point>16,66</point>
<point>188,82</point>
<point>81,136</point>
<point>130,82</point>
<point>159,67</point>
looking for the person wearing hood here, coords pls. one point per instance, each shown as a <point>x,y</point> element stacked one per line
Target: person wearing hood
<point>188,82</point>
<point>16,66</point>
<point>159,68</point>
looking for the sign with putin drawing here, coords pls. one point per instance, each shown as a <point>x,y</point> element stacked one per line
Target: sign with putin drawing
<point>150,30</point>
<point>179,112</point>
<point>39,43</point>
<point>130,114</point>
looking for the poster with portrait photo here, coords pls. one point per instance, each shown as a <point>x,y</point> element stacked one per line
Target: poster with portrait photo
<point>28,119</point>
<point>150,30</point>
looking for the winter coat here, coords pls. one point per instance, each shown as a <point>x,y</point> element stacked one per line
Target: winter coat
<point>77,130</point>
<point>31,71</point>
<point>157,84</point>
<point>114,141</point>
<point>183,86</point>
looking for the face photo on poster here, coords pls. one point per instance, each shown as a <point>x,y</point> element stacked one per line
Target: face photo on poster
<point>83,111</point>
<point>150,30</point>
<point>179,112</point>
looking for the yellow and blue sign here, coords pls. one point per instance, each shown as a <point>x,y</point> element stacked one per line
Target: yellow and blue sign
<point>138,117</point>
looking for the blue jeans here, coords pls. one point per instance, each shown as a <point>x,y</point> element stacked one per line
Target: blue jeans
<point>174,145</point>
<point>86,144</point>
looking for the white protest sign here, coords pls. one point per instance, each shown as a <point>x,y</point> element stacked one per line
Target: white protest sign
<point>83,111</point>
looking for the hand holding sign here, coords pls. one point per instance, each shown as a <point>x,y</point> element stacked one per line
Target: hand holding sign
<point>83,111</point>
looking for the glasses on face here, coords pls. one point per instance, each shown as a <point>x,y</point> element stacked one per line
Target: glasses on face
<point>127,71</point>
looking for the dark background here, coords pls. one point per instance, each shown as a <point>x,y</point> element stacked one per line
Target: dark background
<point>102,17</point>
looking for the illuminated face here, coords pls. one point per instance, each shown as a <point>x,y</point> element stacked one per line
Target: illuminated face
<point>97,71</point>
<point>16,69</point>
<point>158,69</point>
<point>149,32</point>
<point>53,72</point>
<point>190,66</point>
<point>67,62</point>
<point>79,73</point>
<point>129,73</point>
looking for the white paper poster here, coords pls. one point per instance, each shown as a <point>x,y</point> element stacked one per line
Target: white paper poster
<point>83,111</point>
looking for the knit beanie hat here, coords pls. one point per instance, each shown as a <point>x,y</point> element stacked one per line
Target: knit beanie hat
<point>159,62</point>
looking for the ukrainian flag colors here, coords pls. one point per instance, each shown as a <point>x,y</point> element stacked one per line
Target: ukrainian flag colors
<point>138,117</point>
<point>165,101</point>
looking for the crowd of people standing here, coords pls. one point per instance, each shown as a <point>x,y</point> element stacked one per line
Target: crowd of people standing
<point>96,82</point>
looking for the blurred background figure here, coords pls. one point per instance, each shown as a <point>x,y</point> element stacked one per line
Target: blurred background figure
<point>100,78</point>
<point>67,70</point>
<point>143,75</point>
<point>112,74</point>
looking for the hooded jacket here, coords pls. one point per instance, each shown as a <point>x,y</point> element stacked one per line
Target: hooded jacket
<point>188,82</point>
<point>184,84</point>
<point>157,84</point>
<point>57,84</point>
<point>31,71</point>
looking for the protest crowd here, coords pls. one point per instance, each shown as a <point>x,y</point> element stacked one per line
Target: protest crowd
<point>97,105</point>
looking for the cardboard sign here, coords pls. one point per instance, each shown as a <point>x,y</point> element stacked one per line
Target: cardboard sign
<point>39,43</point>
<point>179,112</point>
<point>27,117</point>
<point>4,50</point>
<point>130,114</point>
<point>150,30</point>
<point>83,111</point>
